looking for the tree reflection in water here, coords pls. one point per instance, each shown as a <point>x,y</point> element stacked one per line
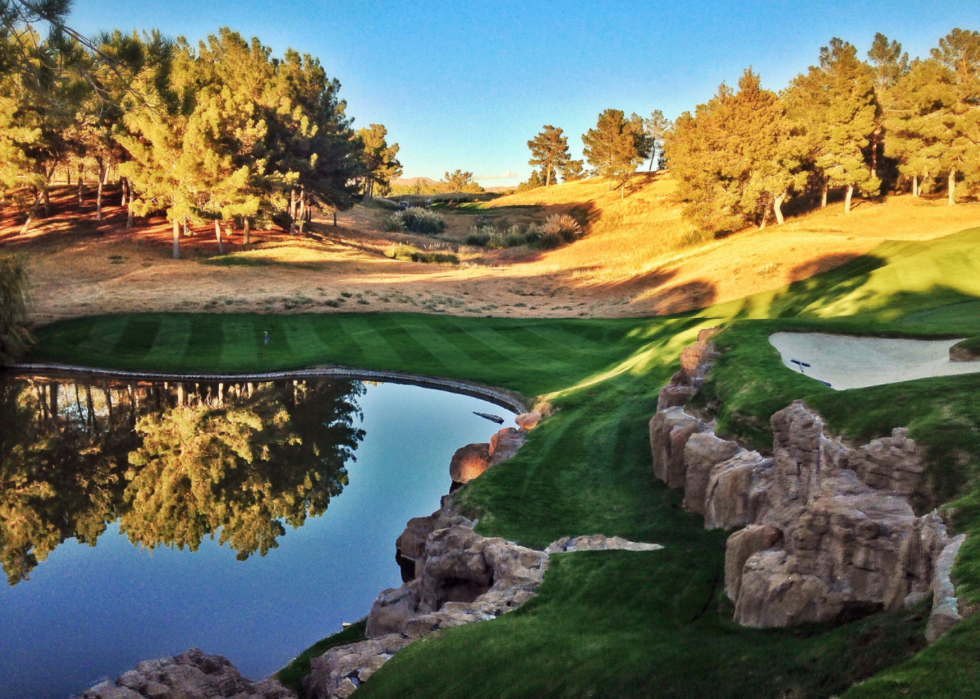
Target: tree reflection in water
<point>172,462</point>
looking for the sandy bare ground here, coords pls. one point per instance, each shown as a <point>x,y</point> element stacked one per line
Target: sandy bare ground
<point>845,361</point>
<point>627,264</point>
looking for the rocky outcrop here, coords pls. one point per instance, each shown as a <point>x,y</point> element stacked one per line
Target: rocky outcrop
<point>829,531</point>
<point>461,578</point>
<point>191,675</point>
<point>505,444</point>
<point>469,462</point>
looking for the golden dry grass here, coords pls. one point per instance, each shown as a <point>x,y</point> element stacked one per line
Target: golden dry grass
<point>631,261</point>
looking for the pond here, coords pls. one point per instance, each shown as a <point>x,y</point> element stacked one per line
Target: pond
<point>139,518</point>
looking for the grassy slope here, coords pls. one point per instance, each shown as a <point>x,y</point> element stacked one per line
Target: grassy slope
<point>609,623</point>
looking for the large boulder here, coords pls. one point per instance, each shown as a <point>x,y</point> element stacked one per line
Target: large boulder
<point>669,431</point>
<point>702,453</point>
<point>191,675</point>
<point>469,462</point>
<point>740,547</point>
<point>738,491</point>
<point>528,421</point>
<point>505,444</point>
<point>340,671</point>
<point>392,610</point>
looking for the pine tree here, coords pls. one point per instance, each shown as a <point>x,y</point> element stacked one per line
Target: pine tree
<point>657,127</point>
<point>890,65</point>
<point>573,170</point>
<point>737,158</point>
<point>379,159</point>
<point>549,151</point>
<point>616,146</point>
<point>458,181</point>
<point>836,104</point>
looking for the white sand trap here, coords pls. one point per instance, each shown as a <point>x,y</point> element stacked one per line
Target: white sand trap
<point>846,361</point>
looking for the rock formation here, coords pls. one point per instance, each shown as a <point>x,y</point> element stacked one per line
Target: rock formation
<point>528,421</point>
<point>191,675</point>
<point>829,531</point>
<point>471,461</point>
<point>461,577</point>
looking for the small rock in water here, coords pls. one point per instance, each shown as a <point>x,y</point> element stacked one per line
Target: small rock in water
<point>492,418</point>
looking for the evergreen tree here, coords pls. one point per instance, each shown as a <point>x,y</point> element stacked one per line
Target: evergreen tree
<point>458,181</point>
<point>549,151</point>
<point>532,182</point>
<point>616,146</point>
<point>836,104</point>
<point>657,127</point>
<point>379,160</point>
<point>573,170</point>
<point>890,65</point>
<point>737,158</point>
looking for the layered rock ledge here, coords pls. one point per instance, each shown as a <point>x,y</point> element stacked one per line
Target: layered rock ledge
<point>825,531</point>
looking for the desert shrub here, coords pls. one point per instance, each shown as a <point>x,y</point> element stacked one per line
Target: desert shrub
<point>476,238</point>
<point>393,224</point>
<point>551,240</point>
<point>513,240</point>
<point>383,203</point>
<point>422,221</point>
<point>563,225</point>
<point>533,234</point>
<point>14,338</point>
<point>410,253</point>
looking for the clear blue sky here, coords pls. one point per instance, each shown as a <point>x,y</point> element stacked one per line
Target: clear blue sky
<point>466,84</point>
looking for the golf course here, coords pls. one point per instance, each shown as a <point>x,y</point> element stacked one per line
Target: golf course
<point>639,623</point>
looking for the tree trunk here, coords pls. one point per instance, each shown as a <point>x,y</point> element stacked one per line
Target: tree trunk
<point>952,187</point>
<point>847,199</point>
<point>98,198</point>
<point>915,185</point>
<point>248,230</point>
<point>217,234</point>
<point>777,207</point>
<point>823,196</point>
<point>32,214</point>
<point>68,174</point>
<point>124,186</point>
<point>334,219</point>
<point>176,239</point>
<point>47,202</point>
<point>292,211</point>
<point>874,151</point>
<point>81,171</point>
<point>547,177</point>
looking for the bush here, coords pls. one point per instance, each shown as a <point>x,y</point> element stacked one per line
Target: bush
<point>478,239</point>
<point>513,240</point>
<point>562,225</point>
<point>14,338</point>
<point>393,224</point>
<point>549,241</point>
<point>422,221</point>
<point>409,253</point>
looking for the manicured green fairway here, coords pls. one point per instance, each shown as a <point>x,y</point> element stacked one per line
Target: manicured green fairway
<point>637,624</point>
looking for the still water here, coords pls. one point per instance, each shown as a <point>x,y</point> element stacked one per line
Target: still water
<point>139,519</point>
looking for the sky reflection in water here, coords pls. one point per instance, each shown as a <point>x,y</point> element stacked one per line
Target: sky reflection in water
<point>87,613</point>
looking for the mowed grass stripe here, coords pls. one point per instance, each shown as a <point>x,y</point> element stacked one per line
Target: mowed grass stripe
<point>241,343</point>
<point>139,336</point>
<point>465,338</point>
<point>104,335</point>
<point>422,332</point>
<point>377,352</point>
<point>303,341</point>
<point>411,350</point>
<point>505,343</point>
<point>170,341</point>
<point>337,341</point>
<point>206,341</point>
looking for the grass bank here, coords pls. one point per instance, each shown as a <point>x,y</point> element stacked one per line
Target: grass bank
<point>618,623</point>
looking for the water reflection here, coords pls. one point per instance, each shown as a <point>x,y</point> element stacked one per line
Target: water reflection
<point>173,462</point>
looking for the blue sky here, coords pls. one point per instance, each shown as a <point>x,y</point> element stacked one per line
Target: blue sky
<point>466,84</point>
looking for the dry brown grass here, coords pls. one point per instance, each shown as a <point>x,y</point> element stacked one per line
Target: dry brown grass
<point>632,260</point>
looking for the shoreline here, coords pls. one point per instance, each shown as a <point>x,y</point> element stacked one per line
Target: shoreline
<point>504,399</point>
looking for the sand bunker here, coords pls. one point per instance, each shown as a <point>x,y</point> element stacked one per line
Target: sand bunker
<point>845,361</point>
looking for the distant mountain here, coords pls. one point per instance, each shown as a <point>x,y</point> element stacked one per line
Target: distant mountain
<point>410,182</point>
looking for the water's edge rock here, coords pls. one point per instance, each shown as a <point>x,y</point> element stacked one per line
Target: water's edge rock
<point>825,531</point>
<point>191,675</point>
